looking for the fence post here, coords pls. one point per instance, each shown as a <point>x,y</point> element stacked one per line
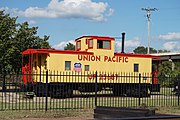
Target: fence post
<point>4,88</point>
<point>96,90</point>
<point>46,108</point>
<point>178,91</point>
<point>4,80</point>
<point>139,91</point>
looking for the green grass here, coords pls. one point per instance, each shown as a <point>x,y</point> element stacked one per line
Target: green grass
<point>14,105</point>
<point>166,91</point>
<point>16,101</point>
<point>39,103</point>
<point>35,107</point>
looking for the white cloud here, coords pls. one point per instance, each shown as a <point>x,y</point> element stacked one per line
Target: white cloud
<point>32,22</point>
<point>172,46</point>
<point>87,9</point>
<point>62,44</point>
<point>173,39</point>
<point>170,36</point>
<point>110,13</point>
<point>129,46</point>
<point>13,12</point>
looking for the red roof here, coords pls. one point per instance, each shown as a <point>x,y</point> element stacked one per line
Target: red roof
<point>47,51</point>
<point>31,51</point>
<point>136,55</point>
<point>97,37</point>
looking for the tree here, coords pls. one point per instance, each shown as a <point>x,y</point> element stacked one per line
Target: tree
<point>7,31</point>
<point>166,73</point>
<point>140,50</point>
<point>15,38</point>
<point>143,50</point>
<point>163,51</point>
<point>25,38</point>
<point>69,46</point>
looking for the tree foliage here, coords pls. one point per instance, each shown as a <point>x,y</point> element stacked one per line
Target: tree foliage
<point>143,50</point>
<point>166,68</point>
<point>15,38</point>
<point>69,46</point>
<point>167,73</point>
<point>163,51</point>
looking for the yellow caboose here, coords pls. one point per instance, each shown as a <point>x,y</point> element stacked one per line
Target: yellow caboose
<point>94,60</point>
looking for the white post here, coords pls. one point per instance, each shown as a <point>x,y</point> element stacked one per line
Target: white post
<point>148,16</point>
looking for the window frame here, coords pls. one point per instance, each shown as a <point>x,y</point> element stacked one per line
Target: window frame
<point>102,41</point>
<point>136,67</point>
<point>45,64</point>
<point>67,67</point>
<point>78,45</point>
<point>85,67</point>
<point>89,41</point>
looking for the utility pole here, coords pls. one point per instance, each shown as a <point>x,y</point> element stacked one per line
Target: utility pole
<point>148,10</point>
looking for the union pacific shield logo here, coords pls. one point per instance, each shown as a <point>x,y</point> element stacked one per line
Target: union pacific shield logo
<point>77,67</point>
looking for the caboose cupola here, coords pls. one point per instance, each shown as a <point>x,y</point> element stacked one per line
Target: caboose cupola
<point>96,44</point>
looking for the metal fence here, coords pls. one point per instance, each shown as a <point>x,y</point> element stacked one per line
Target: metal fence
<point>69,90</point>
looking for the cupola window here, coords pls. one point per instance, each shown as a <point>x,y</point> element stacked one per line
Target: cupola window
<point>104,44</point>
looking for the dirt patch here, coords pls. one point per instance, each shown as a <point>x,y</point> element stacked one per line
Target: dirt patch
<point>49,115</point>
<point>63,118</point>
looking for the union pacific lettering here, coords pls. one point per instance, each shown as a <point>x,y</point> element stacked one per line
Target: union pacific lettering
<point>103,58</point>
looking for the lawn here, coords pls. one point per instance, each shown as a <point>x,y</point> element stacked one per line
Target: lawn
<point>17,102</point>
<point>14,105</point>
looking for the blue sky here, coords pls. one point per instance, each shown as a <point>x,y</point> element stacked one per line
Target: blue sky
<point>66,20</point>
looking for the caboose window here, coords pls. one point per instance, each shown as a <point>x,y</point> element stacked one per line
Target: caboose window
<point>136,67</point>
<point>45,64</point>
<point>78,45</point>
<point>67,65</point>
<point>86,67</point>
<point>103,44</point>
<point>90,45</point>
